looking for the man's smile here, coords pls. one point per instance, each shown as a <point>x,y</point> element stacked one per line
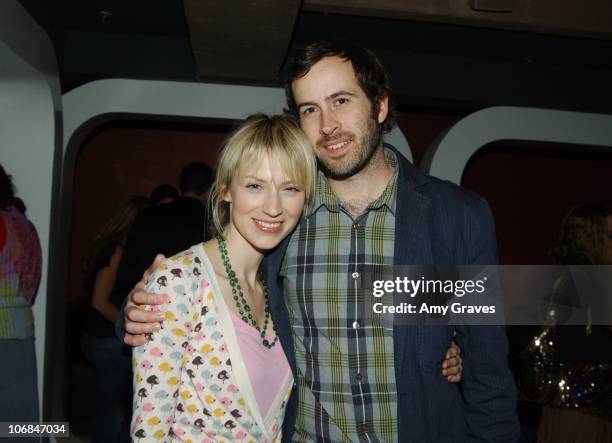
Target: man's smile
<point>336,146</point>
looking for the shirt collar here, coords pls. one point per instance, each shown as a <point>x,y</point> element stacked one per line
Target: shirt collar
<point>324,196</point>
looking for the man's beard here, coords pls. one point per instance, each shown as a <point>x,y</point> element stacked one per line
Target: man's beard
<point>364,149</point>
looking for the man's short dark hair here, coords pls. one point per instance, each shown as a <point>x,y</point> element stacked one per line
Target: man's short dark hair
<point>196,177</point>
<point>368,69</point>
<point>163,192</point>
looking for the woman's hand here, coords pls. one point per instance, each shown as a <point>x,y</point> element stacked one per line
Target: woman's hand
<point>452,364</point>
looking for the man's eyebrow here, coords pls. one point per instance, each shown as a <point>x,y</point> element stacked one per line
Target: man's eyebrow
<point>328,98</point>
<point>339,93</point>
<point>300,105</point>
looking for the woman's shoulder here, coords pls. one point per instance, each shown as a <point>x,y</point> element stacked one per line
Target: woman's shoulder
<point>195,255</point>
<point>184,279</point>
<point>191,263</point>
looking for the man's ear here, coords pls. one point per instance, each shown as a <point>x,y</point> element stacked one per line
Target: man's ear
<point>383,109</point>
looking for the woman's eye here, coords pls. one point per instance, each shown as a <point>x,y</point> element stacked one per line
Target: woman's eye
<point>253,186</point>
<point>293,189</point>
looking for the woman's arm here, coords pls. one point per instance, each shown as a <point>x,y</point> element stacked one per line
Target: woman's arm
<point>103,286</point>
<point>158,364</point>
<point>452,365</point>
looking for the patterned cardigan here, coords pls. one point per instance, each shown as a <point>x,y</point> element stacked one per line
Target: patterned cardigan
<point>190,380</point>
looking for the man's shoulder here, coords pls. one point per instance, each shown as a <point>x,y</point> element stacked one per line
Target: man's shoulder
<point>186,203</point>
<point>185,211</point>
<point>459,221</point>
<point>442,195</point>
<point>182,210</point>
<point>146,218</point>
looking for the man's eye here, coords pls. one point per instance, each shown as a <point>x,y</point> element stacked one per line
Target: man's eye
<point>341,101</point>
<point>308,110</point>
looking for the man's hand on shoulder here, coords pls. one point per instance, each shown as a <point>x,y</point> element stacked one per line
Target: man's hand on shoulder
<point>139,321</point>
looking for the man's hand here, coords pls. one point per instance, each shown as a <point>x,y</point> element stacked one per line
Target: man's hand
<point>139,322</point>
<point>452,364</point>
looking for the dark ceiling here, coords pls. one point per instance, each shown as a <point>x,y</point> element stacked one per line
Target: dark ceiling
<point>433,66</point>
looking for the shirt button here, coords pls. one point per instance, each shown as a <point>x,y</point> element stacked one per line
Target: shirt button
<point>359,376</point>
<point>356,325</point>
<point>355,274</point>
<point>364,428</point>
<point>355,226</point>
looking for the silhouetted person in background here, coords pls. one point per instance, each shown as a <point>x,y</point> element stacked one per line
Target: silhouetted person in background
<point>111,364</point>
<point>163,194</point>
<point>20,268</point>
<point>166,229</point>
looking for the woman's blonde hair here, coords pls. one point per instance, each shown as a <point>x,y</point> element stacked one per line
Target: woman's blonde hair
<point>260,135</point>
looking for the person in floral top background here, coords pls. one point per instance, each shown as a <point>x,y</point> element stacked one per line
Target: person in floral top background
<point>20,270</point>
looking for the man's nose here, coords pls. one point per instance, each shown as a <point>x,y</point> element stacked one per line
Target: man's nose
<point>329,122</point>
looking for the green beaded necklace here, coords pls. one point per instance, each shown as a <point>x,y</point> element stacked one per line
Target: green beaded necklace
<point>241,304</point>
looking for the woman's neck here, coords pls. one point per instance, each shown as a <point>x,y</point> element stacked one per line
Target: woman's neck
<point>244,257</point>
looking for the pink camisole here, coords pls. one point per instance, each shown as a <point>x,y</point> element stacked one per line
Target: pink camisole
<point>267,368</point>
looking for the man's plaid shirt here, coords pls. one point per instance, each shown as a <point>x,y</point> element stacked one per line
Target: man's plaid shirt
<point>346,373</point>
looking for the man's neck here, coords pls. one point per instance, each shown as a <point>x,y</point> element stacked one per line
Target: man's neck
<point>359,190</point>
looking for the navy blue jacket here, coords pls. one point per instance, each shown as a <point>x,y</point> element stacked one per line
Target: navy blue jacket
<point>437,223</point>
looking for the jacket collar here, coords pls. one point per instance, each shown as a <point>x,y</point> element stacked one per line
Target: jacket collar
<point>412,235</point>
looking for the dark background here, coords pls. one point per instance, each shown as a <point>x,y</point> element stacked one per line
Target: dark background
<point>441,70</point>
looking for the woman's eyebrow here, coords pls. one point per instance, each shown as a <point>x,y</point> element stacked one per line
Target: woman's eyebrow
<point>259,179</point>
<point>252,177</point>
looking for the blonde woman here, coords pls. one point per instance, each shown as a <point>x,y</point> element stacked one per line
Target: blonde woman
<point>216,371</point>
